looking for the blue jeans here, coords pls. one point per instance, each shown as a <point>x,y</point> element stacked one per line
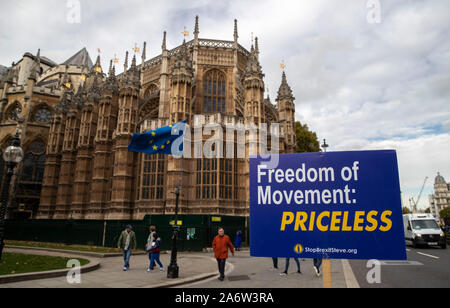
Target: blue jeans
<point>126,258</point>
<point>154,257</point>
<point>287,264</point>
<point>317,263</point>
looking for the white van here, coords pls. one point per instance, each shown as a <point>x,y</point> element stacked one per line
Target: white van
<point>422,229</point>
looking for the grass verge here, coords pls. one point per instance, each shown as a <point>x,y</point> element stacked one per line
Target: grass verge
<point>17,263</point>
<point>66,247</point>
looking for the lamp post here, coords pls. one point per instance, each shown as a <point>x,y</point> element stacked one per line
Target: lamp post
<point>172,269</point>
<point>324,145</point>
<point>12,156</point>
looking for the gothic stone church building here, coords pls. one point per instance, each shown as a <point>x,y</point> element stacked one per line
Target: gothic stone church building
<point>76,122</point>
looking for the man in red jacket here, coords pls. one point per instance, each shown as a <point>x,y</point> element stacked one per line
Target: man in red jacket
<point>220,245</point>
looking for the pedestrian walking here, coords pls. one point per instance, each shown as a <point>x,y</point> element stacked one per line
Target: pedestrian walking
<point>317,264</point>
<point>154,253</point>
<point>275,263</point>
<point>287,267</point>
<point>127,242</point>
<point>148,246</point>
<point>238,240</point>
<point>220,245</point>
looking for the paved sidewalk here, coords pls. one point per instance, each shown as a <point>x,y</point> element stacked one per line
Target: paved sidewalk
<point>193,266</point>
<point>197,270</point>
<point>243,271</point>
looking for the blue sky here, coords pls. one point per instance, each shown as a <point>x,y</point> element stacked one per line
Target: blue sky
<point>360,85</point>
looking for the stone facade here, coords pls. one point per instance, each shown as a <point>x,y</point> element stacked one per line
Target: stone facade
<point>441,197</point>
<point>89,172</point>
<point>27,101</point>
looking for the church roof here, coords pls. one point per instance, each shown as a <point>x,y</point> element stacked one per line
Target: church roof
<point>79,59</point>
<point>42,59</point>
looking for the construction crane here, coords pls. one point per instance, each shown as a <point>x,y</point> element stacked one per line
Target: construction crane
<point>415,203</point>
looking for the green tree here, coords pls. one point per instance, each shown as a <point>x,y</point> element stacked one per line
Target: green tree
<point>306,140</point>
<point>445,213</point>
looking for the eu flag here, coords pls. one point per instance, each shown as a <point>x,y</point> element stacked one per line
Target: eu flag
<point>164,140</point>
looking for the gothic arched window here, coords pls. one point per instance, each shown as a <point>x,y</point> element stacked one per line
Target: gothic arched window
<point>34,163</point>
<point>151,91</point>
<point>14,112</point>
<point>206,179</point>
<point>28,166</point>
<point>214,92</point>
<point>153,170</point>
<point>40,167</point>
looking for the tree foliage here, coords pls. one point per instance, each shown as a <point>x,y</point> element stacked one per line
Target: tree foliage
<point>306,140</point>
<point>445,213</point>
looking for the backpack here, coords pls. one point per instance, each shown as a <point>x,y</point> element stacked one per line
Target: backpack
<point>155,246</point>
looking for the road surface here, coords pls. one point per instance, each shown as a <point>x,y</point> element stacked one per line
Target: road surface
<point>427,267</point>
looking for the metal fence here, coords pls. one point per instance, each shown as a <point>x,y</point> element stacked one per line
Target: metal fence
<point>196,231</point>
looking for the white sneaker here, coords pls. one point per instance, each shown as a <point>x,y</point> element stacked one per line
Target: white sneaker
<point>161,269</point>
<point>148,270</point>
<point>317,271</point>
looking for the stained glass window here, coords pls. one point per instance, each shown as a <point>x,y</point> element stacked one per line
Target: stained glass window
<point>34,163</point>
<point>43,115</point>
<point>153,171</point>
<point>214,92</point>
<point>15,112</point>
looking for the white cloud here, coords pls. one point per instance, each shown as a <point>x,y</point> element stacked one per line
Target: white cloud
<point>418,158</point>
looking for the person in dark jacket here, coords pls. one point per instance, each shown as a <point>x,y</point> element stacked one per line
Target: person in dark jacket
<point>154,253</point>
<point>238,240</point>
<point>220,245</point>
<point>127,242</point>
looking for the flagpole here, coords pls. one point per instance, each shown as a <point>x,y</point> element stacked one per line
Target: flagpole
<point>173,269</point>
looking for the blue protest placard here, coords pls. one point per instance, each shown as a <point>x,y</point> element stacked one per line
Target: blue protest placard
<point>337,205</point>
